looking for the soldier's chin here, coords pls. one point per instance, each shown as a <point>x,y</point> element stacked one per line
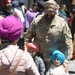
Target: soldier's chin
<point>49,17</point>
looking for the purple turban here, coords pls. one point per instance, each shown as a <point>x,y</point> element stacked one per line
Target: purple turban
<point>11,28</point>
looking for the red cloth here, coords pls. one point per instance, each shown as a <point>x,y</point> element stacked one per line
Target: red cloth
<point>32,46</point>
<point>4,2</point>
<point>70,20</point>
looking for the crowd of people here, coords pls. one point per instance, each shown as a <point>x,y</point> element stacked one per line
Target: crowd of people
<point>35,41</point>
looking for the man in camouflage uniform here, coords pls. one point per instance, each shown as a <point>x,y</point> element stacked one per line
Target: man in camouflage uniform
<point>50,32</point>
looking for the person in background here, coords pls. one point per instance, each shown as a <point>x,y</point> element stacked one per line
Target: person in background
<point>62,10</point>
<point>1,17</point>
<point>6,8</point>
<point>47,31</point>
<point>33,49</point>
<point>19,13</point>
<point>40,7</point>
<point>22,4</point>
<point>71,13</point>
<point>10,29</point>
<point>60,14</point>
<point>5,11</point>
<point>23,8</point>
<point>30,15</point>
<point>73,25</point>
<point>57,67</point>
<point>73,4</point>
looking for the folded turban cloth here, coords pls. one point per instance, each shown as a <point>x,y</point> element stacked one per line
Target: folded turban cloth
<point>51,4</point>
<point>4,2</point>
<point>11,28</point>
<point>33,46</point>
<point>21,2</point>
<point>15,3</point>
<point>59,55</point>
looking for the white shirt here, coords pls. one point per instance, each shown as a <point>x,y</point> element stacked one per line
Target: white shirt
<point>19,14</point>
<point>54,70</point>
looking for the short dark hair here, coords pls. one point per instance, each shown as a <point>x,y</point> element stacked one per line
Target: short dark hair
<point>72,11</point>
<point>34,4</point>
<point>41,4</point>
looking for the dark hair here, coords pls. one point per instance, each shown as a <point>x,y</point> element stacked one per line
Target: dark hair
<point>41,4</point>
<point>21,2</point>
<point>72,11</point>
<point>34,4</point>
<point>4,44</point>
<point>39,54</point>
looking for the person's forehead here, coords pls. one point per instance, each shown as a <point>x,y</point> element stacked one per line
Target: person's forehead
<point>31,49</point>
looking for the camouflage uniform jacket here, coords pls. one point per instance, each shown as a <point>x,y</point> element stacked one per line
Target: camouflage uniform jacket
<point>50,36</point>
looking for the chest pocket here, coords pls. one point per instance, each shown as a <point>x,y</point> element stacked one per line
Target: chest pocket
<point>52,31</point>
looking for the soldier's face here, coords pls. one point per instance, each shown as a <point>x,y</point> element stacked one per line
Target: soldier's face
<point>49,14</point>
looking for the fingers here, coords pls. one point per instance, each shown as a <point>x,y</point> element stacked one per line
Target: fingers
<point>66,67</point>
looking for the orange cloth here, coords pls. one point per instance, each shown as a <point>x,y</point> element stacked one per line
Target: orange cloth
<point>73,2</point>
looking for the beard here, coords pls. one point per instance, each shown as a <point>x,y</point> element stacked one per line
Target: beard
<point>8,10</point>
<point>49,17</point>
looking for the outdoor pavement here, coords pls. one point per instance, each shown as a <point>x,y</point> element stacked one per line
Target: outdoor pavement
<point>72,67</point>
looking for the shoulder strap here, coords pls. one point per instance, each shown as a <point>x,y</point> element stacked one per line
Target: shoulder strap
<point>13,72</point>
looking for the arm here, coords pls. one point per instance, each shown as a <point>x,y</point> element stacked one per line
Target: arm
<point>19,14</point>
<point>1,17</point>
<point>42,67</point>
<point>68,40</point>
<point>30,34</point>
<point>4,63</point>
<point>65,64</point>
<point>31,67</point>
<point>50,71</point>
<point>27,20</point>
